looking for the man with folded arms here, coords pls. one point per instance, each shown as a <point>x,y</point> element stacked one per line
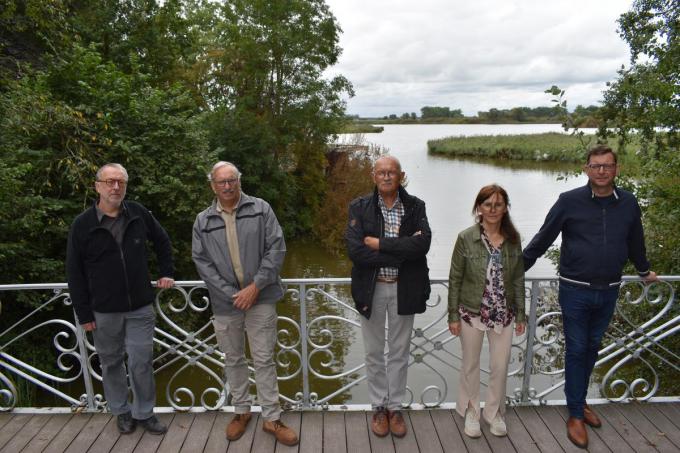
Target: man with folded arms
<point>601,229</point>
<point>388,237</point>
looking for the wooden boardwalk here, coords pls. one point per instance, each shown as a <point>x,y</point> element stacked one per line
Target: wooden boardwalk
<point>626,428</point>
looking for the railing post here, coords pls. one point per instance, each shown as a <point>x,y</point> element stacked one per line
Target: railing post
<point>531,332</point>
<point>87,377</point>
<point>303,343</point>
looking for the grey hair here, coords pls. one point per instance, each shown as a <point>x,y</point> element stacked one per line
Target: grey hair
<point>221,164</point>
<point>98,176</point>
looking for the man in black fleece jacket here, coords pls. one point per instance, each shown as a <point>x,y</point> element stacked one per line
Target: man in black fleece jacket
<point>109,285</point>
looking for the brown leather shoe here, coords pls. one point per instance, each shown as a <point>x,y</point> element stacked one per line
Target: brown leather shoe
<point>576,432</point>
<point>380,423</point>
<point>590,417</point>
<point>397,424</point>
<point>237,426</point>
<point>283,434</point>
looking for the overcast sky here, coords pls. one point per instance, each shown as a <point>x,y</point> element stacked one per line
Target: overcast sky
<point>401,55</point>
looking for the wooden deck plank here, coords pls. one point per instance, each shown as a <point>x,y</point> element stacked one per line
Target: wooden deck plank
<point>519,436</point>
<point>107,437</point>
<point>69,432</point>
<point>262,442</point>
<point>47,433</point>
<point>25,434</point>
<point>334,436</point>
<point>473,445</point>
<point>534,425</point>
<point>625,429</point>
<point>311,434</point>
<point>293,421</point>
<point>447,431</point>
<point>662,423</point>
<point>4,418</point>
<point>357,432</point>
<point>671,411</point>
<point>88,435</point>
<point>647,429</point>
<point>13,426</point>
<point>424,432</point>
<point>177,433</point>
<point>408,443</point>
<point>217,439</point>
<point>198,433</point>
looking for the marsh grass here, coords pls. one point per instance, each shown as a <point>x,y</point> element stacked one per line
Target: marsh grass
<point>546,147</point>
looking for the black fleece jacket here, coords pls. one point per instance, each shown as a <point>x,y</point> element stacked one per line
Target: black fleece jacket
<point>107,278</point>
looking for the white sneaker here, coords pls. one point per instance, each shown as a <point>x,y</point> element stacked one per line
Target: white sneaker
<point>497,426</point>
<point>472,428</point>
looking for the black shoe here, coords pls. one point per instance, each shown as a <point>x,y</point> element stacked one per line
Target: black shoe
<point>152,425</point>
<point>126,424</point>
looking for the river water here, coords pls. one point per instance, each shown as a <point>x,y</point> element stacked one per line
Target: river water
<point>449,187</point>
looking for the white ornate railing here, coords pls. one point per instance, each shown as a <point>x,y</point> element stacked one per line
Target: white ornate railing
<point>320,353</point>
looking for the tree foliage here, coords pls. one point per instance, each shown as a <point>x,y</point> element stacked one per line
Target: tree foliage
<point>276,110</point>
<point>645,100</point>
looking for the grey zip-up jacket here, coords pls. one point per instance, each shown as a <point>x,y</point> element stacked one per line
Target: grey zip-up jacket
<point>261,246</point>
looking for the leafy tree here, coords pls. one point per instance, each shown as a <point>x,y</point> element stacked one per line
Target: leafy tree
<point>645,99</point>
<point>276,111</point>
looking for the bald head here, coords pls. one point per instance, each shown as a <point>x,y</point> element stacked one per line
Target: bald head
<point>386,159</point>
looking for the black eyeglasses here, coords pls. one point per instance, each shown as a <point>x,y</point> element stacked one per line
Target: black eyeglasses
<point>224,182</point>
<point>112,182</point>
<point>598,167</point>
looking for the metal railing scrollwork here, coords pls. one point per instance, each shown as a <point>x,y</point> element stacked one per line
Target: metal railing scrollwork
<point>319,353</point>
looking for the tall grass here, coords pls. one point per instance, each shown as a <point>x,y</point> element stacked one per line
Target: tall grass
<point>550,146</point>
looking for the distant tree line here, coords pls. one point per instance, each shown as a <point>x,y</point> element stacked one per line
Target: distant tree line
<point>583,116</point>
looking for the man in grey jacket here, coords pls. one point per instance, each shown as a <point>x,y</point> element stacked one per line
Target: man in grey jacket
<point>238,249</point>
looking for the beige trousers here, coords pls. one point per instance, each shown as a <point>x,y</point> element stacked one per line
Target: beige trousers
<point>471,340</point>
<point>260,324</point>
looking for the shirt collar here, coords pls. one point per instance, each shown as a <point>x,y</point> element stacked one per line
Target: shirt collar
<point>383,205</point>
<point>101,214</point>
<point>592,194</point>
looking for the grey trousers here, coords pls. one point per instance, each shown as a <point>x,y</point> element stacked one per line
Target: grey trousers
<point>386,373</point>
<point>260,323</point>
<point>132,333</point>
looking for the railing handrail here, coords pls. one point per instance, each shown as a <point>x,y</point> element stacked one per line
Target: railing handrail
<point>312,281</point>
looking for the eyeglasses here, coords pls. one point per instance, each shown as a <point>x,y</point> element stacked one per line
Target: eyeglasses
<point>386,174</point>
<point>491,206</point>
<point>112,182</point>
<point>605,167</point>
<point>224,182</point>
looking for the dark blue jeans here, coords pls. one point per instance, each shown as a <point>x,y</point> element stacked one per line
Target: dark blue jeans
<point>586,314</point>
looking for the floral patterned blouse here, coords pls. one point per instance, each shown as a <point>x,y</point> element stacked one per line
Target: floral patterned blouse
<point>493,312</point>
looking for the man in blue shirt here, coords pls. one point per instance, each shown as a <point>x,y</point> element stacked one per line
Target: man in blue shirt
<point>601,229</point>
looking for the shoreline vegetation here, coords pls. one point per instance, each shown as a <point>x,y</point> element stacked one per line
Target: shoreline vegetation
<point>545,147</point>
